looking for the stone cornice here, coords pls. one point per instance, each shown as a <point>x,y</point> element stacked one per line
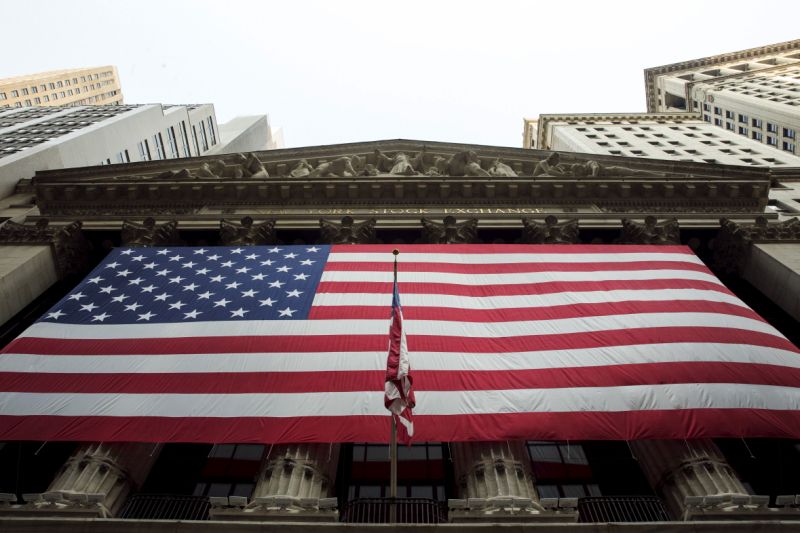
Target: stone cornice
<point>650,74</point>
<point>261,183</point>
<point>734,240</point>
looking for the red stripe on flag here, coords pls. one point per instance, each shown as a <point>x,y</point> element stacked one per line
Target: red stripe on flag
<point>512,268</point>
<point>424,380</point>
<point>547,287</point>
<point>589,425</point>
<point>556,312</point>
<point>417,343</point>
<point>484,249</point>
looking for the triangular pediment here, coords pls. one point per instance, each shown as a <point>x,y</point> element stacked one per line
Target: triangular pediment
<point>406,173</point>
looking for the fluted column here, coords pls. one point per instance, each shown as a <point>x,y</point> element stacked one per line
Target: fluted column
<point>97,479</point>
<point>496,485</point>
<point>677,469</point>
<point>493,469</point>
<point>296,482</point>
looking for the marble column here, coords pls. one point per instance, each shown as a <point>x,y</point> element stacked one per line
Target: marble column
<point>98,478</point>
<point>296,482</point>
<point>680,468</point>
<point>495,483</point>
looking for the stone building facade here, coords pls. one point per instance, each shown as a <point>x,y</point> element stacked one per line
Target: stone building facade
<point>400,191</point>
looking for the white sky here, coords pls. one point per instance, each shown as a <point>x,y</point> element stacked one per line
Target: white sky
<point>347,71</point>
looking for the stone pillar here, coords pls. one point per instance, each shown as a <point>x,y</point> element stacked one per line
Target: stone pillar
<point>677,469</point>
<point>296,482</point>
<point>495,483</point>
<point>96,481</point>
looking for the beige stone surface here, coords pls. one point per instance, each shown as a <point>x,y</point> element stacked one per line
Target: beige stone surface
<point>25,273</point>
<point>774,269</point>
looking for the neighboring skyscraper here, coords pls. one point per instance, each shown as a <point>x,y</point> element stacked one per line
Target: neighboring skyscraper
<point>38,139</point>
<point>754,93</point>
<point>80,86</point>
<point>676,136</point>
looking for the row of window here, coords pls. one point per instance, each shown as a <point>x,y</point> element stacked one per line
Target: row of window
<point>172,142</point>
<point>59,84</point>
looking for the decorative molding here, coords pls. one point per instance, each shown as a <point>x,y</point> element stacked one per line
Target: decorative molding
<point>733,241</point>
<point>247,233</point>
<point>348,232</point>
<point>149,233</point>
<point>450,231</point>
<point>651,232</point>
<point>70,247</point>
<point>551,231</point>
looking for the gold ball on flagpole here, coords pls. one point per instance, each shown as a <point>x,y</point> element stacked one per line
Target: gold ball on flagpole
<point>396,251</point>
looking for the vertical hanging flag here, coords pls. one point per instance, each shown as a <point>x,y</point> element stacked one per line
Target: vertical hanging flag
<point>399,398</point>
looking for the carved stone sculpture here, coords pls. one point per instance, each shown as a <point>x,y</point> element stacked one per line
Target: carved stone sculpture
<point>465,163</point>
<point>341,167</point>
<point>70,247</point>
<point>732,243</point>
<point>149,233</point>
<point>301,169</point>
<point>551,232</point>
<point>500,169</point>
<point>401,164</point>
<point>651,232</point>
<point>348,232</point>
<point>551,166</point>
<point>247,233</point>
<point>450,232</point>
<point>593,169</point>
<point>251,166</point>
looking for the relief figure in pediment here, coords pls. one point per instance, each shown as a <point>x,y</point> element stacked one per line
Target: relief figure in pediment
<point>301,169</point>
<point>551,166</point>
<point>401,164</point>
<point>466,163</point>
<point>500,169</point>
<point>341,167</point>
<point>593,169</point>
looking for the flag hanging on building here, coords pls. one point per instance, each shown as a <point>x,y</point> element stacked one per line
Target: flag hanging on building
<point>288,344</point>
<point>398,395</point>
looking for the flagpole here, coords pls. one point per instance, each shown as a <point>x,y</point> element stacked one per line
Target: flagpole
<point>393,445</point>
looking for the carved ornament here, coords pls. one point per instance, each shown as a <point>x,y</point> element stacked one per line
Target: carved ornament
<point>70,247</point>
<point>247,233</point>
<point>733,241</point>
<point>651,232</point>
<point>348,232</point>
<point>551,232</point>
<point>450,231</point>
<point>149,233</point>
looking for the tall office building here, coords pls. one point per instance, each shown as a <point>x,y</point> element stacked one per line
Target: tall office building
<point>754,93</point>
<point>36,139</point>
<point>675,136</point>
<point>80,86</point>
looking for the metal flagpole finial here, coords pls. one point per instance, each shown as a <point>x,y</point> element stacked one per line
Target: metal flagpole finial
<point>396,251</point>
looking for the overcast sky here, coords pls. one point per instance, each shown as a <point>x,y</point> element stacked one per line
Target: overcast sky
<point>340,71</point>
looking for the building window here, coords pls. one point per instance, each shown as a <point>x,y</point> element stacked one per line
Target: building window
<point>51,85</point>
<point>421,472</point>
<point>717,110</point>
<point>159,142</point>
<point>144,151</point>
<point>211,131</point>
<point>742,130</point>
<point>62,94</point>
<point>34,90</point>
<point>46,98</point>
<point>15,94</point>
<point>60,84</point>
<point>173,142</point>
<point>743,118</point>
<point>772,128</point>
<point>25,92</point>
<point>37,100</point>
<point>729,126</point>
<point>756,123</point>
<point>28,103</point>
<point>718,122</point>
<point>185,140</point>
<point>757,136</point>
<point>3,96</point>
<point>789,147</point>
<point>788,133</point>
<point>203,135</point>
<point>706,107</point>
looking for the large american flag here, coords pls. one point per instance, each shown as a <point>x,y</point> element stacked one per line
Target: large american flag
<point>288,344</point>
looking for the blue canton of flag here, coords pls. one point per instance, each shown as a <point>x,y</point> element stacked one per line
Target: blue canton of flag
<point>184,284</point>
